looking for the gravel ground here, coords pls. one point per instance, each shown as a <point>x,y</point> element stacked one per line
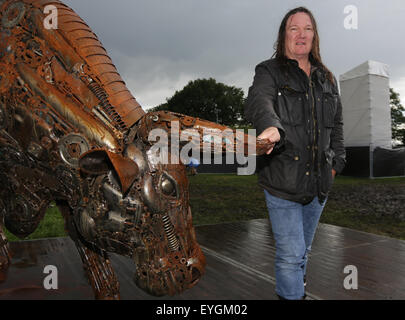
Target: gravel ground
<point>377,199</point>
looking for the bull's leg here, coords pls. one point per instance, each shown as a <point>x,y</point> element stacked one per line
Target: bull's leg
<point>96,263</point>
<point>5,256</point>
<point>100,273</point>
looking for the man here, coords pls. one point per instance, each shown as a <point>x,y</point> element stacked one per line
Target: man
<point>294,102</point>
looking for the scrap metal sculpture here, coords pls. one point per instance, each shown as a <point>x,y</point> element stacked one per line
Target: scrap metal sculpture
<point>71,132</point>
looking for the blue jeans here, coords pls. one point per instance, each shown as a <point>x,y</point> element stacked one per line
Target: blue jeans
<point>294,227</point>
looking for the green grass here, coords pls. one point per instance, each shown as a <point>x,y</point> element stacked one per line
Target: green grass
<point>344,181</point>
<point>349,218</point>
<point>366,210</point>
<point>219,198</point>
<point>51,226</point>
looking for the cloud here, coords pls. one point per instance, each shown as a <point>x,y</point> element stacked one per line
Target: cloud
<point>151,79</point>
<point>159,45</point>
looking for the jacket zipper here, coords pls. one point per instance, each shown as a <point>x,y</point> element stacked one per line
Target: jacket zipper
<point>310,91</point>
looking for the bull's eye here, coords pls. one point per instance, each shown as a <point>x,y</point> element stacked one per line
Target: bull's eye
<point>168,186</point>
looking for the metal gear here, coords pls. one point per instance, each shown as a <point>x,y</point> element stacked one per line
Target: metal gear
<point>13,14</point>
<point>71,147</point>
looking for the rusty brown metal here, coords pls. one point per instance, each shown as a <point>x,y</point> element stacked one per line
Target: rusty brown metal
<point>71,132</point>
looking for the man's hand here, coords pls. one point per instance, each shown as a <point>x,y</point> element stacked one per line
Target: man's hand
<point>271,134</point>
<point>333,173</point>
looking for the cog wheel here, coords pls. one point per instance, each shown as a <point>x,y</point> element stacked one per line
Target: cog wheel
<point>71,147</point>
<point>13,15</point>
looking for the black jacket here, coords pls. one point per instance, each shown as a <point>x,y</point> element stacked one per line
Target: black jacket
<point>308,113</point>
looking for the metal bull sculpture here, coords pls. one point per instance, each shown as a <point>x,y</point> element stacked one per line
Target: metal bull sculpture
<point>71,132</point>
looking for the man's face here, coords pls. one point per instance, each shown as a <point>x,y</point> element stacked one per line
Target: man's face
<point>299,36</point>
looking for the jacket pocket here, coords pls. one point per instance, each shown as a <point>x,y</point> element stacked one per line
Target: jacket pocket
<point>284,170</point>
<point>290,105</point>
<point>329,108</point>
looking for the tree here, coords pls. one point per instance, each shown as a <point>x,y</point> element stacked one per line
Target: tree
<point>397,117</point>
<point>208,100</point>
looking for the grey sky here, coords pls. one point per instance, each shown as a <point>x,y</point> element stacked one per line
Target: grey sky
<point>158,46</point>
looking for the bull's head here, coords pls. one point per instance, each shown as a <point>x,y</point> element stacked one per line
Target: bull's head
<point>142,211</point>
<point>139,204</point>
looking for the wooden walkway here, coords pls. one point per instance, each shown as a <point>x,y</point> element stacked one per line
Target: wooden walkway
<point>240,266</point>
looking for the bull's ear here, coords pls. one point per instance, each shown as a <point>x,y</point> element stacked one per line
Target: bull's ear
<point>95,162</point>
<point>100,161</point>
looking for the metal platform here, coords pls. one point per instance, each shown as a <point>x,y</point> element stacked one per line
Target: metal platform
<point>240,266</point>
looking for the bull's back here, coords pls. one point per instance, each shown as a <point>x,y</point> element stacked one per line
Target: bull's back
<point>68,69</point>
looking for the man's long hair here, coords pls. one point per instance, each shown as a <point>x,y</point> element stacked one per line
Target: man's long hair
<point>314,55</point>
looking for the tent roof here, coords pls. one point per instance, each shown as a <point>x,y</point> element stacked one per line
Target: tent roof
<point>366,68</point>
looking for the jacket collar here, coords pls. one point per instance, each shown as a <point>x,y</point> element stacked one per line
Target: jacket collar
<point>316,69</point>
<point>314,64</point>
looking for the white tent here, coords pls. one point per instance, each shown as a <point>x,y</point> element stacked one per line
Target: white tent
<point>366,109</point>
<point>366,106</point>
